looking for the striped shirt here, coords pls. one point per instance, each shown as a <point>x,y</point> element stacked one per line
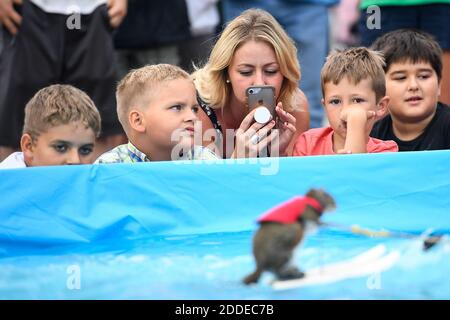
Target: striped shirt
<point>128,153</point>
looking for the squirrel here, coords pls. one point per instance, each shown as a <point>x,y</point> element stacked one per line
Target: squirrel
<point>282,229</point>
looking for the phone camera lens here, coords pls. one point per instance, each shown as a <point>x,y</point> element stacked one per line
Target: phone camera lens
<point>250,91</point>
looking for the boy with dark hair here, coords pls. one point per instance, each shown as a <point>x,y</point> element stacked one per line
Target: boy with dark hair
<point>417,120</point>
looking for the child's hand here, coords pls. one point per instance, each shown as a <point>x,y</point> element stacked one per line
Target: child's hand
<point>8,16</point>
<point>252,137</point>
<point>356,120</point>
<point>356,114</point>
<point>117,10</point>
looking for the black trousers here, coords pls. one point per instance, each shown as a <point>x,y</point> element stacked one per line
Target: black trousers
<point>44,52</point>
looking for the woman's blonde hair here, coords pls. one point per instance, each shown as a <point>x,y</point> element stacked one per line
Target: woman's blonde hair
<point>256,25</point>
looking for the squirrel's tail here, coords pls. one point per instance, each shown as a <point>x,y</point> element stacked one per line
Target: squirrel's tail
<point>252,277</point>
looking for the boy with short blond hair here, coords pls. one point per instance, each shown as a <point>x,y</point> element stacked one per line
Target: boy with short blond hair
<point>157,107</point>
<point>417,120</point>
<point>353,88</point>
<point>60,127</point>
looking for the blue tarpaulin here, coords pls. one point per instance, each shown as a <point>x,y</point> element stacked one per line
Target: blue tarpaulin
<point>176,230</point>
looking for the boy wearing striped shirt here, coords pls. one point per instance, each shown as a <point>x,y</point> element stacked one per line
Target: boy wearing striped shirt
<point>157,107</point>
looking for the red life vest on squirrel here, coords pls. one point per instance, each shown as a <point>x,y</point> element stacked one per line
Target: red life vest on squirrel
<point>290,211</point>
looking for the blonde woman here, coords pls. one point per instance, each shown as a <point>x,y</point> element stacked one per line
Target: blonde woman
<point>252,50</point>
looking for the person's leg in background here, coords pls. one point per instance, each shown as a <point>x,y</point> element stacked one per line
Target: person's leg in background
<point>20,74</point>
<point>89,64</point>
<point>445,82</point>
<point>307,24</point>
<point>204,18</point>
<point>434,19</point>
<point>344,18</point>
<point>195,52</point>
<point>391,18</point>
<point>150,34</point>
<point>232,8</point>
<point>128,59</point>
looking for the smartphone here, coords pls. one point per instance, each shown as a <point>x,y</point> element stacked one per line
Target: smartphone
<point>258,96</point>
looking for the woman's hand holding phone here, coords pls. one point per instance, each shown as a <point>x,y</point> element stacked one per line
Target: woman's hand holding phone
<point>252,137</point>
<point>286,128</point>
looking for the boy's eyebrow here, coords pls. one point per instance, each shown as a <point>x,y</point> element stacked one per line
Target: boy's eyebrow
<point>61,141</point>
<point>333,97</point>
<point>420,70</point>
<point>175,103</point>
<point>70,143</point>
<point>351,95</point>
<point>358,95</point>
<point>426,69</point>
<point>397,72</point>
<point>183,104</point>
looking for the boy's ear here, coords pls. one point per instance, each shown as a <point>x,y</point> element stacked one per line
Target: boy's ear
<point>27,146</point>
<point>136,120</point>
<point>382,107</point>
<point>322,101</point>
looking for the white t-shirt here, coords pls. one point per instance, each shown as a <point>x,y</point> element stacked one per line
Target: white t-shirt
<point>13,161</point>
<point>68,6</point>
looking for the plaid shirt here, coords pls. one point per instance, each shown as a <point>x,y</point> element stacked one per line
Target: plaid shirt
<point>128,153</point>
